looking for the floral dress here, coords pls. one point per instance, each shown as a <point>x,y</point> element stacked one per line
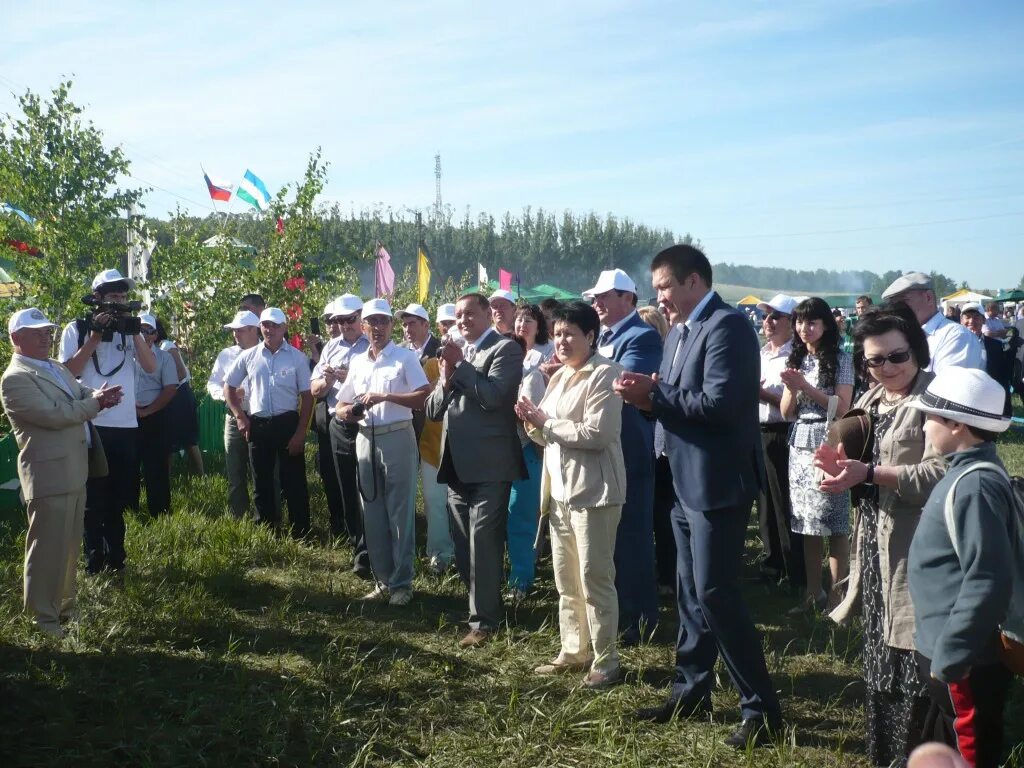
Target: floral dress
<point>815,513</point>
<point>896,702</point>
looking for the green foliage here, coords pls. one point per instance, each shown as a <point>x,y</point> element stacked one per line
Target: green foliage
<point>197,287</point>
<point>55,167</point>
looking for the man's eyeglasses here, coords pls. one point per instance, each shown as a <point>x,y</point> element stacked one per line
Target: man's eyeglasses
<point>347,320</point>
<point>896,358</point>
<point>377,321</point>
<point>148,331</point>
<point>775,317</point>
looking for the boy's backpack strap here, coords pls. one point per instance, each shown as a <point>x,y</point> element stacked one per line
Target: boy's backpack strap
<point>951,497</point>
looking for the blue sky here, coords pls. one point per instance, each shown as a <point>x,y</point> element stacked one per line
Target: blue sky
<point>845,134</point>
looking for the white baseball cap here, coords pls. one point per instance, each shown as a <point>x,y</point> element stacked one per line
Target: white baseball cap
<point>243,319</point>
<point>273,315</point>
<point>377,307</point>
<point>971,306</point>
<point>147,319</point>
<point>611,280</point>
<point>501,293</point>
<point>782,303</point>
<point>329,310</point>
<point>108,276</point>
<point>967,395</point>
<point>347,304</point>
<point>445,313</point>
<point>28,318</point>
<point>416,310</point>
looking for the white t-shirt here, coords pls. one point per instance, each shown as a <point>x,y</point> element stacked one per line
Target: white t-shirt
<point>109,354</point>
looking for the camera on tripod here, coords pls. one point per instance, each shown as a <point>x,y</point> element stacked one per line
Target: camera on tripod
<point>121,317</point>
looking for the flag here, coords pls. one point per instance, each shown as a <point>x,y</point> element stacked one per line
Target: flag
<point>384,275</point>
<point>423,273</point>
<point>504,279</point>
<point>8,208</point>
<point>481,275</point>
<point>219,189</point>
<point>252,190</point>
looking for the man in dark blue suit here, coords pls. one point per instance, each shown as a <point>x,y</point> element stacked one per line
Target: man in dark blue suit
<point>629,341</point>
<point>706,397</point>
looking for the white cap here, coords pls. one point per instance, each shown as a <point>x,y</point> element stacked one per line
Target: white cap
<point>273,315</point>
<point>243,319</point>
<point>501,293</point>
<point>967,395</point>
<point>347,304</point>
<point>912,281</point>
<point>377,307</point>
<point>111,276</point>
<point>445,313</point>
<point>971,306</point>
<point>416,310</point>
<point>609,280</point>
<point>28,318</point>
<point>780,302</point>
<point>329,310</point>
<point>147,319</point>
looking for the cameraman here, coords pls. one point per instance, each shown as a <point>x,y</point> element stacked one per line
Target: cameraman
<point>98,364</point>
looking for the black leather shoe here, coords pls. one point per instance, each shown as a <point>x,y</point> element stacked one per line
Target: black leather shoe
<point>673,709</point>
<point>754,731</point>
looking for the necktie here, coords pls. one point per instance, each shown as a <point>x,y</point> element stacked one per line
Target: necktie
<point>684,334</point>
<point>605,338</point>
<point>469,353</point>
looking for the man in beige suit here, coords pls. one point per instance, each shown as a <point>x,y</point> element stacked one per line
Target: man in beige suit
<point>49,412</point>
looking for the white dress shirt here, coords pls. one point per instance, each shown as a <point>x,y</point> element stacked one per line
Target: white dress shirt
<point>338,354</point>
<point>396,370</point>
<point>215,384</point>
<point>276,379</point>
<point>772,366</point>
<point>951,344</point>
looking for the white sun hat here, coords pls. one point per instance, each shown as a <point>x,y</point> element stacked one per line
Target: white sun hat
<point>611,280</point>
<point>780,302</point>
<point>445,313</point>
<point>416,310</point>
<point>501,293</point>
<point>243,319</point>
<point>273,315</point>
<point>28,318</point>
<point>347,304</point>
<point>376,307</point>
<point>967,395</point>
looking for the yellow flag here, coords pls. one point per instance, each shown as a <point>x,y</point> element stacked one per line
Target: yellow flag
<point>423,274</point>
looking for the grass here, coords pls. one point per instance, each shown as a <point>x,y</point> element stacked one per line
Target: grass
<point>226,646</point>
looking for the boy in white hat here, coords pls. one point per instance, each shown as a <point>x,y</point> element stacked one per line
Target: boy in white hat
<point>961,564</point>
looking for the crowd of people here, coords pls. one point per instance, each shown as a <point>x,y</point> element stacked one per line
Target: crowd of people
<point>634,439</point>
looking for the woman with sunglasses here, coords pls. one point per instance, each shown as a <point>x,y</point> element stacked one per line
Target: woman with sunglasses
<point>891,348</point>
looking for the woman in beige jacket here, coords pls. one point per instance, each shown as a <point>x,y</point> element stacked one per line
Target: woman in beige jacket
<point>583,487</point>
<point>894,486</point>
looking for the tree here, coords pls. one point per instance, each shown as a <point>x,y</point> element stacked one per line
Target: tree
<point>55,167</point>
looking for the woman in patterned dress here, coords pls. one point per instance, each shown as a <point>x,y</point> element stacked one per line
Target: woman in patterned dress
<point>891,348</point>
<point>816,370</point>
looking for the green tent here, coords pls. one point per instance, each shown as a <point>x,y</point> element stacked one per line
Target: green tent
<point>537,293</point>
<point>1010,296</point>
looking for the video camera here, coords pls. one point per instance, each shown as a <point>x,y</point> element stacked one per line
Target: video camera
<point>121,317</point>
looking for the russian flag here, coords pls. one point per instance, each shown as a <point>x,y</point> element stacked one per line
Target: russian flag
<point>219,189</point>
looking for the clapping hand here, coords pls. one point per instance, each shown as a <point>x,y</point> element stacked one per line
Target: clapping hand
<point>843,473</point>
<point>635,388</point>
<point>108,397</point>
<point>530,413</point>
<point>794,380</point>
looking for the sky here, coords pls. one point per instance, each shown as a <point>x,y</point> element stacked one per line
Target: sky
<point>842,134</point>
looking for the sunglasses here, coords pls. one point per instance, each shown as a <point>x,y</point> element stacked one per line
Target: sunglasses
<point>148,331</point>
<point>896,358</point>
<point>347,320</point>
<point>775,317</point>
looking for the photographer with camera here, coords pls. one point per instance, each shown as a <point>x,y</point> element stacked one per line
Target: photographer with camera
<point>106,349</point>
<point>383,387</point>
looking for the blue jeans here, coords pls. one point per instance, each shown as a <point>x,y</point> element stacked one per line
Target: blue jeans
<point>523,513</point>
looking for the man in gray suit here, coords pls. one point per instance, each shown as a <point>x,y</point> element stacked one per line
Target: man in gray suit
<point>480,454</point>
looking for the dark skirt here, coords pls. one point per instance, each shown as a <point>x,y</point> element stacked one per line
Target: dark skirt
<point>183,419</point>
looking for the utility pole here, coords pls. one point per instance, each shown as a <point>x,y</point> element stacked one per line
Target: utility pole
<point>437,187</point>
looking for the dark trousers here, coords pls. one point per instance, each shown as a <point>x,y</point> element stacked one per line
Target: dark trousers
<point>106,498</point>
<point>713,617</point>
<point>343,444</point>
<point>154,447</point>
<point>968,714</point>
<point>783,549</point>
<point>322,418</point>
<point>635,581</point>
<point>268,443</point>
<point>479,513</point>
<point>664,538</point>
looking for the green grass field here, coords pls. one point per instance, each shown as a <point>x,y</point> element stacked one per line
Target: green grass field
<point>226,646</point>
